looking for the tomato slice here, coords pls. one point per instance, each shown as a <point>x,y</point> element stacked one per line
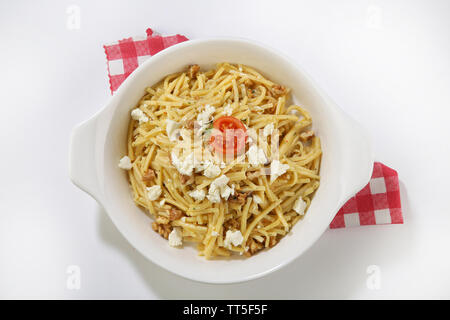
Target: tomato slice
<point>228,136</point>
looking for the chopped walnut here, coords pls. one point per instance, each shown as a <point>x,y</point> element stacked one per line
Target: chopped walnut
<point>273,241</point>
<point>163,229</point>
<point>239,197</point>
<point>305,136</point>
<point>149,175</point>
<point>186,179</point>
<point>278,90</point>
<point>248,82</point>
<point>162,220</point>
<point>175,214</point>
<point>253,247</point>
<point>193,69</point>
<point>232,224</point>
<point>189,124</point>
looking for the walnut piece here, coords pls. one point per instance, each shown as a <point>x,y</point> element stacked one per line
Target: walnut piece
<point>248,82</point>
<point>239,197</point>
<point>185,179</point>
<point>189,124</point>
<point>305,136</point>
<point>162,220</point>
<point>175,214</point>
<point>163,229</point>
<point>149,175</point>
<point>232,224</point>
<point>253,247</point>
<point>273,241</point>
<point>279,90</point>
<point>193,69</point>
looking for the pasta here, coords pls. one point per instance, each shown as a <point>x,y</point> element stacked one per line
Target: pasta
<point>221,159</point>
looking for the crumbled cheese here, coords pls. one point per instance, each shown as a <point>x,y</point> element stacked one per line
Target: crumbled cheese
<point>213,195</point>
<point>185,166</point>
<point>257,199</point>
<point>220,182</point>
<point>125,163</point>
<point>214,233</point>
<point>218,187</point>
<point>203,117</point>
<point>222,165</point>
<point>277,169</point>
<point>268,130</point>
<point>211,171</point>
<point>176,237</point>
<point>197,194</point>
<point>172,129</point>
<point>154,192</point>
<point>138,114</point>
<point>300,206</point>
<point>228,110</point>
<point>233,237</point>
<point>226,191</point>
<point>162,202</point>
<point>183,219</point>
<point>256,156</point>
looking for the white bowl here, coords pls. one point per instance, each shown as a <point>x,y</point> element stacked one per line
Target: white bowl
<point>98,143</point>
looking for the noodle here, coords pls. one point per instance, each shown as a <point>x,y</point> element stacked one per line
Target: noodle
<point>241,204</point>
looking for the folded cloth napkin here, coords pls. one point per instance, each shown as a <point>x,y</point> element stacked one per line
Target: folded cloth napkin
<point>377,203</point>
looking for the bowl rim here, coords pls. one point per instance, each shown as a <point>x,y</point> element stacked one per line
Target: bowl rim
<point>124,87</point>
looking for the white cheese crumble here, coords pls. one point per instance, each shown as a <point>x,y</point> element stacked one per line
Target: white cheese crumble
<point>162,202</point>
<point>185,166</point>
<point>268,130</point>
<point>203,117</point>
<point>214,233</point>
<point>228,110</point>
<point>138,114</point>
<point>125,163</point>
<point>211,170</point>
<point>256,156</point>
<point>257,199</point>
<point>277,169</point>
<point>172,129</point>
<point>213,195</point>
<point>176,237</point>
<point>300,206</point>
<point>226,191</point>
<point>217,187</point>
<point>154,192</point>
<point>233,237</point>
<point>197,194</point>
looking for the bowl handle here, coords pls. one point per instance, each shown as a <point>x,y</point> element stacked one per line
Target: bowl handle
<point>358,158</point>
<point>82,164</point>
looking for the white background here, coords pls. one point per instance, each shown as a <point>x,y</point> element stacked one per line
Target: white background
<point>386,63</point>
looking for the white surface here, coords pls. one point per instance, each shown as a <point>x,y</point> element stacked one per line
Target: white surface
<point>385,63</point>
<point>99,143</point>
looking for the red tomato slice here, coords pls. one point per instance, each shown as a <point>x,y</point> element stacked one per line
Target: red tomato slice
<point>228,136</point>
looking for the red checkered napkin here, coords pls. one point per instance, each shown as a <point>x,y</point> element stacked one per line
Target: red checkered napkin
<point>126,55</point>
<point>377,203</point>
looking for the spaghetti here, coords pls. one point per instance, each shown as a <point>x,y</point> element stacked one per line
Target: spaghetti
<point>188,183</point>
